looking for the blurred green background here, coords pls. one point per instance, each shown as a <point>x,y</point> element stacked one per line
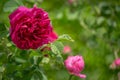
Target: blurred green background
<point>93,24</point>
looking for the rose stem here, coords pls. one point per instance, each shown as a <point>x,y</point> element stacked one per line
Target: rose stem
<point>70,77</point>
<point>116,56</point>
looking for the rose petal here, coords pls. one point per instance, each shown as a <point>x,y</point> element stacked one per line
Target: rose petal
<point>17,11</point>
<point>81,75</point>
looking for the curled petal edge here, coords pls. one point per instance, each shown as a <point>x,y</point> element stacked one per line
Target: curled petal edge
<point>81,75</point>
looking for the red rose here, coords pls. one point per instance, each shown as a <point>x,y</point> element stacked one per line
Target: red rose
<point>30,27</point>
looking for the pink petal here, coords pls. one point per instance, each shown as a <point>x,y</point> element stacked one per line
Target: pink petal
<point>17,11</point>
<point>81,75</point>
<point>53,36</point>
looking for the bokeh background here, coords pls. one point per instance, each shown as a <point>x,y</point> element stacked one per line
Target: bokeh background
<point>93,24</point>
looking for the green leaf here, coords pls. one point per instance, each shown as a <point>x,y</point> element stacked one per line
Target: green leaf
<point>2,27</point>
<point>38,75</point>
<point>65,37</point>
<point>11,5</point>
<point>10,67</point>
<point>59,59</point>
<point>19,2</point>
<point>18,74</point>
<point>1,76</point>
<point>59,45</point>
<point>31,1</point>
<point>9,44</point>
<point>2,68</point>
<point>55,49</point>
<point>34,1</point>
<point>3,57</point>
<point>43,75</point>
<point>100,20</point>
<point>45,60</point>
<point>3,30</point>
<point>19,60</point>
<point>71,16</point>
<point>36,60</point>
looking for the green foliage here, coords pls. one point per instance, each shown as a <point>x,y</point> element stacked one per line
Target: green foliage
<point>65,37</point>
<point>94,25</point>
<point>57,48</point>
<point>12,5</point>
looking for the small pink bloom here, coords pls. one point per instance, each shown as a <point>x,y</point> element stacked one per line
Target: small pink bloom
<point>75,64</point>
<point>117,62</point>
<point>67,49</point>
<point>30,28</point>
<point>70,1</point>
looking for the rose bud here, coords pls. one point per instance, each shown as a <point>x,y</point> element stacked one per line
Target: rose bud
<point>67,49</point>
<point>75,64</point>
<point>117,62</point>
